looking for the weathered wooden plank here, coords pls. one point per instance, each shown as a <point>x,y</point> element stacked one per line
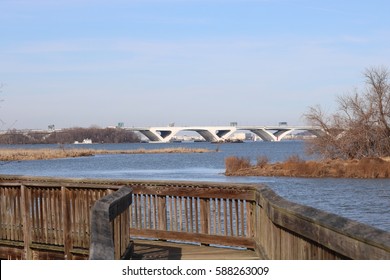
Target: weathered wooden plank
<point>162,212</point>
<point>147,249</point>
<point>195,237</point>
<point>66,208</point>
<point>25,207</point>
<point>204,216</point>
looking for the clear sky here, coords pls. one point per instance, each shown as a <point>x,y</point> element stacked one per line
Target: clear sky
<point>191,62</point>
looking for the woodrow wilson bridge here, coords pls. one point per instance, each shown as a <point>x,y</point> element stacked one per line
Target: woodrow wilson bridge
<point>222,133</point>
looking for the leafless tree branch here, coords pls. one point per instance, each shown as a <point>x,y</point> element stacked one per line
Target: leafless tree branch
<point>361,125</point>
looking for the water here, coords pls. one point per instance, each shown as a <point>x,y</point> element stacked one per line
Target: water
<point>363,200</point>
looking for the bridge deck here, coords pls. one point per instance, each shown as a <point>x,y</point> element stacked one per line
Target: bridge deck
<point>162,250</point>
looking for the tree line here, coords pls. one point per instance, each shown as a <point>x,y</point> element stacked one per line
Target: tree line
<point>69,136</point>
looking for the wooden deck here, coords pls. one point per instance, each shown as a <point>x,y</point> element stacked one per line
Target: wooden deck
<point>162,250</point>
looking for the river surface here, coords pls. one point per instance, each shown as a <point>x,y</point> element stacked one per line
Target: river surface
<point>363,200</point>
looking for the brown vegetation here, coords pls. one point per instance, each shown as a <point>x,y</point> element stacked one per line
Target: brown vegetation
<point>296,167</point>
<point>40,154</point>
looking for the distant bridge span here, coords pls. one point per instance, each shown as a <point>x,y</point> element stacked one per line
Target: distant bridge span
<point>222,133</point>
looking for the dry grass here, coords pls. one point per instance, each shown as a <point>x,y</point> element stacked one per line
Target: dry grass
<point>235,164</point>
<point>296,167</point>
<point>42,154</point>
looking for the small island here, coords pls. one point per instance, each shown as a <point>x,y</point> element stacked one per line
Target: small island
<point>366,168</point>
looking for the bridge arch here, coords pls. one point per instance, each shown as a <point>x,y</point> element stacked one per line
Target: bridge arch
<point>223,133</point>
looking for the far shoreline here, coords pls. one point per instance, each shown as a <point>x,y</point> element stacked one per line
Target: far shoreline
<point>47,153</point>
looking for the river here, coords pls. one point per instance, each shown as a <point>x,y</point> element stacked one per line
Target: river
<point>363,200</point>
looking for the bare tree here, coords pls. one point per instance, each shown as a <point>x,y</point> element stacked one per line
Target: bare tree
<point>361,125</point>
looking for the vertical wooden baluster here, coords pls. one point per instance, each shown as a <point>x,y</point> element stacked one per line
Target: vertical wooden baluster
<point>51,217</point>
<point>25,208</point>
<point>236,217</point>
<point>51,210</point>
<point>162,213</point>
<point>224,217</point>
<point>180,213</point>
<point>231,216</point>
<point>6,207</point>
<point>187,211</point>
<point>66,211</point>
<point>136,210</point>
<point>191,204</point>
<point>242,217</point>
<point>219,216</point>
<point>149,212</point>
<point>197,222</point>
<point>41,224</point>
<point>2,212</point>
<point>204,215</point>
<point>131,210</point>
<point>18,218</point>
<point>144,208</point>
<point>155,211</point>
<point>12,213</point>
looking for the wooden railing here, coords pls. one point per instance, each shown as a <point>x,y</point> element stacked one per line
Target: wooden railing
<point>205,214</point>
<point>242,215</point>
<point>251,216</point>
<point>42,219</point>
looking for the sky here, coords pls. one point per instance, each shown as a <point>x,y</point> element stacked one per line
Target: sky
<point>190,62</point>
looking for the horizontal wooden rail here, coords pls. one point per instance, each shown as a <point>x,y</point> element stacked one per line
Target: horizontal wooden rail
<point>286,230</point>
<point>244,215</point>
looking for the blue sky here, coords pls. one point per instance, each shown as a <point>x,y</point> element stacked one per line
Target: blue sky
<point>192,62</point>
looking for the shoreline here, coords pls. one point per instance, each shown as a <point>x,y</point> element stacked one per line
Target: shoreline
<point>45,154</point>
<point>366,168</point>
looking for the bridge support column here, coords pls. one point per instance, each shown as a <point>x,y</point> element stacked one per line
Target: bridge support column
<point>268,135</point>
<point>160,134</point>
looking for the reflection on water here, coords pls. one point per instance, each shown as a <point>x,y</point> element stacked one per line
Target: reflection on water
<point>365,200</point>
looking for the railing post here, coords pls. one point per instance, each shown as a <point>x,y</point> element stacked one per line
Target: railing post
<point>25,210</point>
<point>106,225</point>
<point>66,220</point>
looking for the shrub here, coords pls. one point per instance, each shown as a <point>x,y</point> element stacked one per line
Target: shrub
<point>234,164</point>
<point>262,161</point>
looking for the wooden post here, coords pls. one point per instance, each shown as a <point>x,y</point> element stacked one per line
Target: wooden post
<point>25,209</point>
<point>66,220</point>
<point>106,223</point>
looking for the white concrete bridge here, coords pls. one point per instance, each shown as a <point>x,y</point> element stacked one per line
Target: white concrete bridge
<point>222,133</point>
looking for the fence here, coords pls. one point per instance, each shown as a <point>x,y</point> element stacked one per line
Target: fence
<point>242,215</point>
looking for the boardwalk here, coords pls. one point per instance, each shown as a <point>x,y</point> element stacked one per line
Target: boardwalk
<point>51,218</point>
<point>162,250</point>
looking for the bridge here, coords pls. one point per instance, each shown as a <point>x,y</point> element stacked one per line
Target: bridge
<point>222,133</point>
